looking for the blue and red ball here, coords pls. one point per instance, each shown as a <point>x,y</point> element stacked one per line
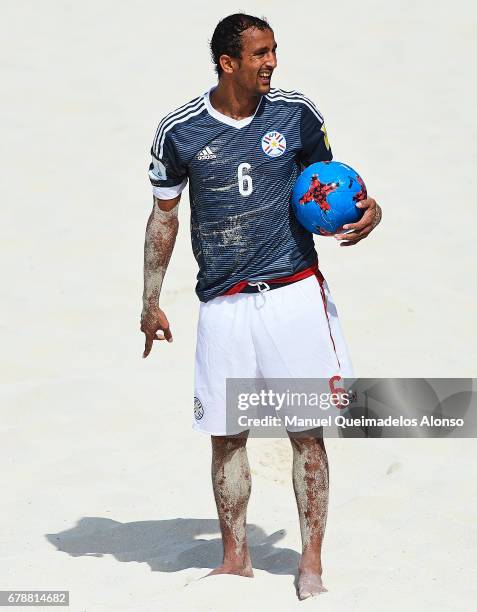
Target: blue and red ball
<point>325,196</point>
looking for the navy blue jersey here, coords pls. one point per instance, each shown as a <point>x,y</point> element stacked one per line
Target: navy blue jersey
<point>241,174</point>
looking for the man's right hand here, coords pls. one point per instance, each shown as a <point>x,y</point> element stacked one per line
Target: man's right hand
<point>152,321</point>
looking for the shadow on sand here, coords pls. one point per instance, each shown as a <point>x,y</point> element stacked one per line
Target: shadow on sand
<point>170,545</point>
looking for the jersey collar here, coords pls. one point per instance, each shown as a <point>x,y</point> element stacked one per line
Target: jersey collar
<point>236,123</point>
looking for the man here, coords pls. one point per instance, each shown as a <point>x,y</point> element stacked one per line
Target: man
<point>265,308</point>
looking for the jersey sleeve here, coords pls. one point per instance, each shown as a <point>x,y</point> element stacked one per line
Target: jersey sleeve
<point>315,146</point>
<point>167,174</point>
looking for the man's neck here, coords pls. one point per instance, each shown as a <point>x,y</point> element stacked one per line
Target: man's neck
<point>230,101</point>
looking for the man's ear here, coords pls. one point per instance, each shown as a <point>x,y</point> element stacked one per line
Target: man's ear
<point>228,64</point>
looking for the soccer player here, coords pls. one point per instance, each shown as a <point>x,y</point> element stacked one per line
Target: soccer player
<point>266,310</point>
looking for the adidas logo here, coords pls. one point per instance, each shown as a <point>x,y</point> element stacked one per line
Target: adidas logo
<point>207,153</point>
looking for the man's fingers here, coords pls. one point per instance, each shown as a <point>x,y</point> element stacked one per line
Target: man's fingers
<point>350,237</point>
<point>148,345</point>
<point>167,334</point>
<point>155,326</point>
<point>366,219</point>
<point>350,242</point>
<point>367,203</point>
<point>359,229</point>
<point>363,227</point>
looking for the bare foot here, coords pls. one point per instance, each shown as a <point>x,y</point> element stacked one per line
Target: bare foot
<point>309,584</point>
<point>228,568</point>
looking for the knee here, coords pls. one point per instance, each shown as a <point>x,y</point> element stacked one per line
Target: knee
<point>302,442</point>
<point>226,445</point>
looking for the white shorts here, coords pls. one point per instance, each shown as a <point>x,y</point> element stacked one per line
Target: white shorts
<point>288,332</point>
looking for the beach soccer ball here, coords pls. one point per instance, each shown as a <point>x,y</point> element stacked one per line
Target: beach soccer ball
<point>325,195</point>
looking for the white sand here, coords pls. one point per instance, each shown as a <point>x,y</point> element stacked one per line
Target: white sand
<point>105,488</point>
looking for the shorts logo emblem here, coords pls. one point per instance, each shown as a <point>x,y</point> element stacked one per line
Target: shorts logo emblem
<point>198,409</point>
<point>274,144</point>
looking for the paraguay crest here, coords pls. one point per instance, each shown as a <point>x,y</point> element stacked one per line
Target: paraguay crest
<point>274,144</point>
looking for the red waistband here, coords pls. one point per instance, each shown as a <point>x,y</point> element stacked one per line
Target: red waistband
<point>311,271</point>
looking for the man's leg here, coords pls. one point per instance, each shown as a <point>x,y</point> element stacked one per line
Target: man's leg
<point>310,482</point>
<point>232,486</point>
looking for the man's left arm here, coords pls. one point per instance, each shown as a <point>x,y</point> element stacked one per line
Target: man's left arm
<point>316,148</point>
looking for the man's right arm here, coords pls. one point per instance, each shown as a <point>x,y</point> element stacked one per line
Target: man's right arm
<point>168,176</point>
<point>161,232</point>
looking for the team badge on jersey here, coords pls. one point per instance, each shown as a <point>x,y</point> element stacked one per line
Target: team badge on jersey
<point>274,144</point>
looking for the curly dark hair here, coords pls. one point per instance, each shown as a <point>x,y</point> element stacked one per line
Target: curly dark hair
<point>227,36</point>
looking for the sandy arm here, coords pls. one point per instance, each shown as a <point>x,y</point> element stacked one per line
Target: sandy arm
<point>161,232</point>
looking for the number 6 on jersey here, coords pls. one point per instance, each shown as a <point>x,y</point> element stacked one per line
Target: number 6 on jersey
<point>244,179</point>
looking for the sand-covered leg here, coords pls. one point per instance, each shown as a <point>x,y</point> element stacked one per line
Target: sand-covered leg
<point>232,485</point>
<point>310,482</point>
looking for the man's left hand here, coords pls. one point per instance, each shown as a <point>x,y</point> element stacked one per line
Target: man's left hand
<point>361,229</point>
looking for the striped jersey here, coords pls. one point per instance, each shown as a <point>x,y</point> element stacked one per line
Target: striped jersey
<point>241,174</point>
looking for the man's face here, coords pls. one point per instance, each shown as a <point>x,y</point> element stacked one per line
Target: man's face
<point>253,72</point>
